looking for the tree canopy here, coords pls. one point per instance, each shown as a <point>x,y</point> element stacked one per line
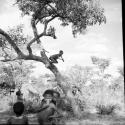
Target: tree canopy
<point>80,13</point>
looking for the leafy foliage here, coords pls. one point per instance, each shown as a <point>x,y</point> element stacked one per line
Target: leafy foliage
<point>121,71</point>
<point>80,13</point>
<point>16,34</point>
<point>106,110</point>
<point>92,96</point>
<point>96,86</point>
<point>14,74</point>
<point>101,63</point>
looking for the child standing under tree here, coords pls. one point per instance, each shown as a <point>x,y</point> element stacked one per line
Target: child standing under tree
<point>19,96</point>
<point>19,118</point>
<point>48,108</point>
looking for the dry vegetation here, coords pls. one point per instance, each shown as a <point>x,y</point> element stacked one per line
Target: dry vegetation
<point>99,98</point>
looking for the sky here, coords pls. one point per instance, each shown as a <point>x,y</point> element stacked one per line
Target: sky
<point>104,41</point>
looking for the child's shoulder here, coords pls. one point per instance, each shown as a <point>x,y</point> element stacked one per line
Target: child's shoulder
<point>20,117</point>
<point>14,119</point>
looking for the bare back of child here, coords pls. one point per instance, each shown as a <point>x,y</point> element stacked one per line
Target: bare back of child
<point>18,119</point>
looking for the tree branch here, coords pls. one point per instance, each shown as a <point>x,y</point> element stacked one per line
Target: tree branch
<point>36,33</point>
<point>33,24</point>
<point>8,60</point>
<point>47,22</point>
<point>58,14</point>
<point>32,41</point>
<point>11,42</point>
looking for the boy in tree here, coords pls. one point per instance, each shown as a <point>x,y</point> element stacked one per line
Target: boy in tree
<point>54,57</point>
<point>19,119</point>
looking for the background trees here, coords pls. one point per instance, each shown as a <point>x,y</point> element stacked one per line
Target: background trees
<point>14,75</point>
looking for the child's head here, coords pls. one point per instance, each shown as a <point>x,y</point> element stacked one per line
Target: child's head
<point>18,93</point>
<point>60,52</point>
<point>18,108</point>
<point>56,95</point>
<point>48,95</point>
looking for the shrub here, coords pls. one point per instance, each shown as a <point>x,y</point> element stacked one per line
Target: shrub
<point>105,109</point>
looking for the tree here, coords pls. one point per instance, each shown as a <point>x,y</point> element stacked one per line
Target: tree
<point>101,80</point>
<point>101,63</point>
<point>121,72</point>
<point>14,74</point>
<point>79,13</point>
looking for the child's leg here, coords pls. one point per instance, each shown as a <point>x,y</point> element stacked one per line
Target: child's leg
<point>53,60</point>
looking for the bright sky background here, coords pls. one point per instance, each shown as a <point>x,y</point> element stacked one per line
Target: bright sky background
<point>103,41</point>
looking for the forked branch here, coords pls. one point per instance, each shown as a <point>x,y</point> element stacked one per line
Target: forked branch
<point>36,35</point>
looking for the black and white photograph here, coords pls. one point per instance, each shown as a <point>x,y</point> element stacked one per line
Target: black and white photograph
<point>61,62</point>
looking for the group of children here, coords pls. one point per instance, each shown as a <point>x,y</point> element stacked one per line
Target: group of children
<point>44,113</point>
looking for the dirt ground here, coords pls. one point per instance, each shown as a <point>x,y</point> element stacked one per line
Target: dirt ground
<point>88,119</point>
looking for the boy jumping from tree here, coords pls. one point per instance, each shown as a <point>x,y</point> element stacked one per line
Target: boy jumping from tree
<point>53,58</point>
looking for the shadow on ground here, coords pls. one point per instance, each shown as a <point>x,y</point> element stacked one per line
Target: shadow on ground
<point>88,119</point>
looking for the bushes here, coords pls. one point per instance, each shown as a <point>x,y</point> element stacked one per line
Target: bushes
<point>106,109</point>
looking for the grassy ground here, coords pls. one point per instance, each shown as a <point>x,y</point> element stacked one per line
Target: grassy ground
<point>88,119</point>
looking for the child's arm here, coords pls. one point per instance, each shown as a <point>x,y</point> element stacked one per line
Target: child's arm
<point>61,58</point>
<point>57,110</point>
<point>41,108</point>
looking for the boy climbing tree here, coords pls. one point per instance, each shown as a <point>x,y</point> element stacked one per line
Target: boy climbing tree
<point>53,58</point>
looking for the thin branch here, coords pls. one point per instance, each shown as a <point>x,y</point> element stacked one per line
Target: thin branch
<point>31,42</point>
<point>53,8</point>
<point>47,22</point>
<point>33,24</point>
<point>8,60</point>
